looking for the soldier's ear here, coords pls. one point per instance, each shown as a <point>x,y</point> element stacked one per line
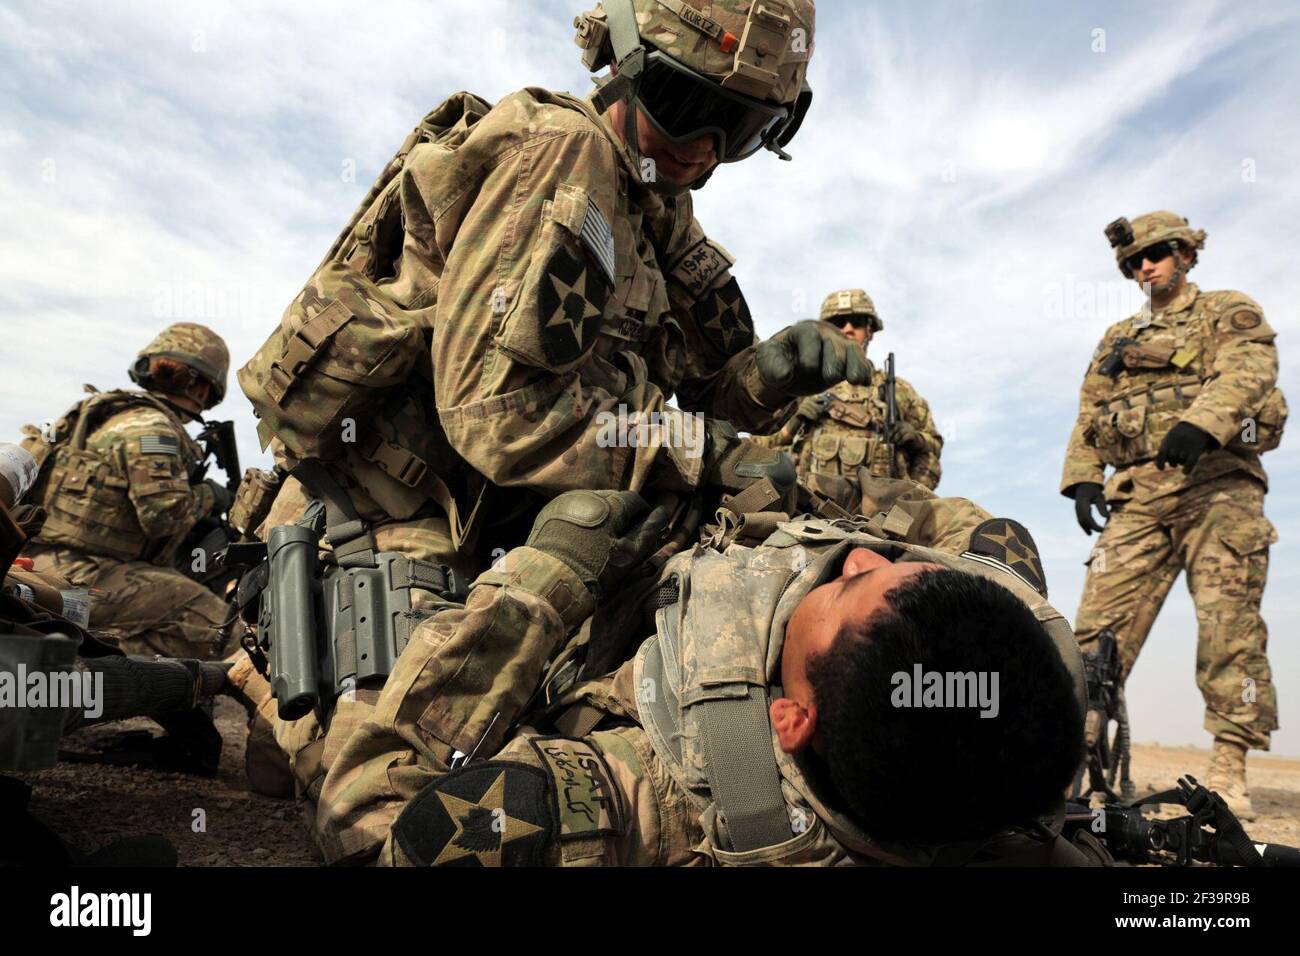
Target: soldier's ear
<point>794,723</point>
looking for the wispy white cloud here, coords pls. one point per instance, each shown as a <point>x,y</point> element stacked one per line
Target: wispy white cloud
<point>190,160</point>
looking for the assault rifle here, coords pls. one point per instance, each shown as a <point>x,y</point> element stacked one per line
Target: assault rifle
<point>1108,757</point>
<point>891,411</point>
<point>212,534</point>
<point>1209,833</point>
<point>218,441</point>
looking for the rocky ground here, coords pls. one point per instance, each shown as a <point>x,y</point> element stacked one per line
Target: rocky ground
<point>92,804</point>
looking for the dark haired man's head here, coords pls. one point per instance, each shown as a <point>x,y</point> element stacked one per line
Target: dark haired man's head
<point>927,774</point>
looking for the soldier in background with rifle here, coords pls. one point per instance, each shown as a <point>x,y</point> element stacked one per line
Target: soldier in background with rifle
<point>56,676</point>
<point>885,427</point>
<point>113,475</point>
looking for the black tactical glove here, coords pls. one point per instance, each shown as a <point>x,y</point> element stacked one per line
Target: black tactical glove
<point>813,407</point>
<point>809,357</point>
<point>1183,446</point>
<point>601,535</point>
<point>1086,495</point>
<point>905,436</point>
<point>221,495</point>
<point>734,463</point>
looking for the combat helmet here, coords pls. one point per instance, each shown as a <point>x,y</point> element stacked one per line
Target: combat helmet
<point>1128,238</point>
<point>190,344</point>
<point>851,302</point>
<point>737,69</point>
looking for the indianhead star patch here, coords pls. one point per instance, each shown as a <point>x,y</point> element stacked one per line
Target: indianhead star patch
<point>723,318</point>
<point>571,301</point>
<point>496,813</point>
<point>1009,543</point>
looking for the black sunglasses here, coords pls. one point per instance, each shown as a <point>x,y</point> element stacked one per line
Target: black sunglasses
<point>1157,253</point>
<point>683,105</point>
<point>857,321</point>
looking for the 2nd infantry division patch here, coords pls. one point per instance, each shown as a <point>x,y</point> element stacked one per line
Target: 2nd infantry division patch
<point>723,317</point>
<point>570,301</point>
<point>496,813</point>
<point>1009,543</point>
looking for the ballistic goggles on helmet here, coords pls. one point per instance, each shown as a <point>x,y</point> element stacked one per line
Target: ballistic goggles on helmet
<point>682,106</point>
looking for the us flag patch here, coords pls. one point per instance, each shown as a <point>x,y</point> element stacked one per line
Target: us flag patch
<point>598,237</point>
<point>159,445</point>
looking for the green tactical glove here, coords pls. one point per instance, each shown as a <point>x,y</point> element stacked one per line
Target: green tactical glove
<point>905,436</point>
<point>601,535</point>
<point>813,407</point>
<point>222,497</point>
<point>735,463</point>
<point>809,357</point>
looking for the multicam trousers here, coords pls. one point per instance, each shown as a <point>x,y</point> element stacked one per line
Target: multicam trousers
<point>1217,532</point>
<point>147,609</point>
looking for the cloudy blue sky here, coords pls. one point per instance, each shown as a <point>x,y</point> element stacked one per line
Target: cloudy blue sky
<point>193,161</point>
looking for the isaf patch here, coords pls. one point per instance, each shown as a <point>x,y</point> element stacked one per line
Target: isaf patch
<point>699,265</point>
<point>1009,543</point>
<point>587,802</point>
<point>570,302</point>
<point>159,445</point>
<point>495,813</point>
<point>723,318</point>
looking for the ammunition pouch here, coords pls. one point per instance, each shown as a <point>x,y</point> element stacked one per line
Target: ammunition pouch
<point>1130,428</point>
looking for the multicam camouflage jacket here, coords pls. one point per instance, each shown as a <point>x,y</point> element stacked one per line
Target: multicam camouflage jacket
<point>115,478</point>
<point>446,695</point>
<point>1208,359</point>
<point>851,434</point>
<point>509,284</point>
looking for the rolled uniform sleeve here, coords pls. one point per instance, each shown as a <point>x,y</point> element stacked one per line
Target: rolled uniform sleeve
<point>1243,369</point>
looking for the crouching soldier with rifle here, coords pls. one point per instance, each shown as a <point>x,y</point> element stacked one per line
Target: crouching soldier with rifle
<point>113,476</point>
<point>56,676</point>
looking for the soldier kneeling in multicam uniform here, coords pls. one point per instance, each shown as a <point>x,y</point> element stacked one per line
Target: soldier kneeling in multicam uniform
<point>114,480</point>
<point>835,433</point>
<point>783,710</point>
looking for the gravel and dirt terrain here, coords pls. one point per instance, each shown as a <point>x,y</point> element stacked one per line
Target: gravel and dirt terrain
<point>92,804</point>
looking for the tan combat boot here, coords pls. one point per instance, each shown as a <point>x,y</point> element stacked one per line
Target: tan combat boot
<point>1228,777</point>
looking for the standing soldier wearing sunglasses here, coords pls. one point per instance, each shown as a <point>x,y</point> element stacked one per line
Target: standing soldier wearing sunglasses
<point>1180,400</point>
<point>835,433</point>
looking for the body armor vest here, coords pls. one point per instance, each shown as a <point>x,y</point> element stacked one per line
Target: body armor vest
<point>1162,370</point>
<point>848,436</point>
<point>702,688</point>
<point>85,491</point>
